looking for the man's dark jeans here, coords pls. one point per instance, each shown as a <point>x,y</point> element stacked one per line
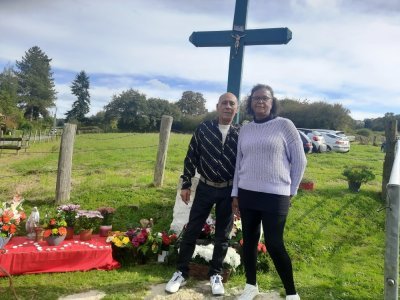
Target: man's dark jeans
<point>206,196</point>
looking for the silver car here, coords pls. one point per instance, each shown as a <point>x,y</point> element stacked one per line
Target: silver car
<point>317,139</point>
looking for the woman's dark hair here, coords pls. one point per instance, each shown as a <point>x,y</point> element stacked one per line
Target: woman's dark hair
<point>274,108</point>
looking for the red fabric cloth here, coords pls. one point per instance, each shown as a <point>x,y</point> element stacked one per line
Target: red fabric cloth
<point>27,257</point>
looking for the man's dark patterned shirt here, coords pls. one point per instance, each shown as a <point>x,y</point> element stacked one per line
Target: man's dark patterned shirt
<point>212,159</point>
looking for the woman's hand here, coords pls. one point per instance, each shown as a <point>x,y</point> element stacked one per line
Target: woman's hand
<point>235,206</point>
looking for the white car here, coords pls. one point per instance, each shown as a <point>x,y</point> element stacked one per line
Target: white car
<point>336,143</point>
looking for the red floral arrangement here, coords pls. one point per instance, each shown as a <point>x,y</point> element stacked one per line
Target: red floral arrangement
<point>11,214</point>
<point>55,226</point>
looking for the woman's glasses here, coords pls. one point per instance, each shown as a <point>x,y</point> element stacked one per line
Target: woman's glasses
<point>261,99</point>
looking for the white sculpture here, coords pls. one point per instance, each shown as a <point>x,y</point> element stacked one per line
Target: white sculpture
<point>32,222</point>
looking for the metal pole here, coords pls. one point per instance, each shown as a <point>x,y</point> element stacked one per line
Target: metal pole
<point>392,230</point>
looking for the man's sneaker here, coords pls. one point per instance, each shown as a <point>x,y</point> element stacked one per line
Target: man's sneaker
<point>216,285</point>
<point>249,292</point>
<point>175,282</point>
<point>293,297</point>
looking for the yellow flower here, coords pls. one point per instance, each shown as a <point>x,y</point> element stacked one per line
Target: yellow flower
<point>54,231</point>
<point>125,240</point>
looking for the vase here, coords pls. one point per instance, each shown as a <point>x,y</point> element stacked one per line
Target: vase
<point>161,258</point>
<point>105,229</point>
<point>70,233</point>
<point>4,241</point>
<point>39,234</point>
<point>55,240</point>
<point>85,234</point>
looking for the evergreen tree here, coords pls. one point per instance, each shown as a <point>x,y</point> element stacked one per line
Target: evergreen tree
<point>36,90</point>
<point>8,91</point>
<point>80,88</point>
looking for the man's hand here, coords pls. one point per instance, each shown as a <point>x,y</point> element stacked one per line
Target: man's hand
<point>185,195</point>
<point>235,206</point>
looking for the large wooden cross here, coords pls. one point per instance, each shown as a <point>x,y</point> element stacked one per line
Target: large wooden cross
<point>237,38</point>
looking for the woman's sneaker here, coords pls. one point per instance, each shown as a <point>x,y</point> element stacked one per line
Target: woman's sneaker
<point>249,292</point>
<point>175,282</point>
<point>217,287</point>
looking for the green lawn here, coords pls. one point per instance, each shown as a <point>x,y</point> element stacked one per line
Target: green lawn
<point>335,237</point>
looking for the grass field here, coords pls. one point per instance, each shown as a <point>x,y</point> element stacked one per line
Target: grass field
<point>335,237</point>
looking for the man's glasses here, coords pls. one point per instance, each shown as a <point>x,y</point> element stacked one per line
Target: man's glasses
<point>261,99</point>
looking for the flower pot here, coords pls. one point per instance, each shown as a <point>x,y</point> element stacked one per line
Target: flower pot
<point>70,233</point>
<point>4,241</point>
<point>85,234</point>
<point>39,234</point>
<point>55,240</point>
<point>307,186</point>
<point>354,186</point>
<point>200,271</point>
<point>105,229</point>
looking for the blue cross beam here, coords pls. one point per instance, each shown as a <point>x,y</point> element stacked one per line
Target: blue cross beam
<point>237,38</point>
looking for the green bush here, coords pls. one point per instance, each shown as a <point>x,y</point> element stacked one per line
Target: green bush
<point>360,174</point>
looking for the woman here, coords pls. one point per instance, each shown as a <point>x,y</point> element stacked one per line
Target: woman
<point>269,167</point>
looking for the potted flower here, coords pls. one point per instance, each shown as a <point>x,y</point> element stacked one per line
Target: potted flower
<point>356,175</point>
<point>55,229</point>
<point>87,221</point>
<point>106,225</point>
<point>202,255</point>
<point>121,247</point>
<point>69,212</point>
<point>307,184</point>
<point>161,244</point>
<point>141,240</point>
<point>11,214</point>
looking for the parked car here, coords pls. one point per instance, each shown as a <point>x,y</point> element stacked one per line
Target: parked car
<point>337,132</point>
<point>317,139</point>
<point>307,144</point>
<point>336,143</point>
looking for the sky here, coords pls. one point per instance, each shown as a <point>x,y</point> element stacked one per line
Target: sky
<point>342,51</point>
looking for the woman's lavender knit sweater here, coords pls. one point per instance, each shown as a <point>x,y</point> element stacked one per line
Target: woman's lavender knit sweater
<point>270,158</point>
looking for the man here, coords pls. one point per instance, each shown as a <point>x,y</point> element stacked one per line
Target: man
<point>212,151</point>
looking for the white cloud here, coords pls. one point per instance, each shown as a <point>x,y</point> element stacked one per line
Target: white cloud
<point>341,51</point>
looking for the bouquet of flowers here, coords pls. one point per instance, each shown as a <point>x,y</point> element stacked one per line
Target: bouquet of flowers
<point>236,233</point>
<point>141,239</point>
<point>162,241</point>
<point>203,254</point>
<point>88,219</point>
<point>107,213</point>
<point>119,239</point>
<point>69,211</point>
<point>208,230</point>
<point>11,214</point>
<point>55,226</point>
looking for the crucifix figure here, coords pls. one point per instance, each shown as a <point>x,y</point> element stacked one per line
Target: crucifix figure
<point>237,41</point>
<point>241,37</point>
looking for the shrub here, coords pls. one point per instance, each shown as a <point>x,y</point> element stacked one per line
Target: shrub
<point>360,174</point>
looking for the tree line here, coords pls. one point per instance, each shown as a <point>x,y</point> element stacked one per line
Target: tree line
<point>27,93</point>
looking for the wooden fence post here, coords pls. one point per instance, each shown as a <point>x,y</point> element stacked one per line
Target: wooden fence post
<point>63,187</point>
<point>390,133</point>
<point>165,130</point>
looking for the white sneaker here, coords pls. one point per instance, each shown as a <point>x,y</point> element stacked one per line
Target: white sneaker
<point>249,292</point>
<point>293,297</point>
<point>217,287</point>
<point>175,282</point>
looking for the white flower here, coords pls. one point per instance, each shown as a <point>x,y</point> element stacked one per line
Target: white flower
<point>232,258</point>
